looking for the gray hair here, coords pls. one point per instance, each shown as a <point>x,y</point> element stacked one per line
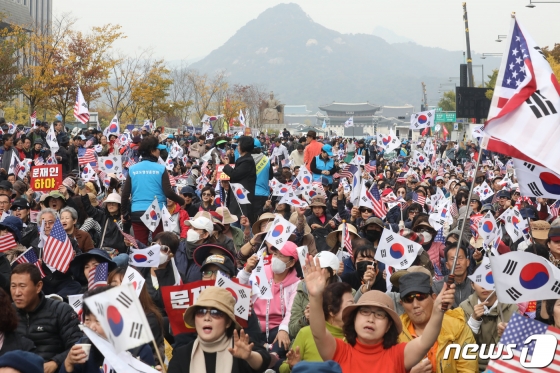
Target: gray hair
<point>72,212</point>
<point>46,211</point>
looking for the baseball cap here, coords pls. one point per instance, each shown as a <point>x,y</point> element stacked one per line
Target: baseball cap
<point>82,137</point>
<point>289,249</point>
<point>327,149</point>
<point>439,178</point>
<point>328,260</point>
<point>20,204</point>
<point>202,223</point>
<point>5,184</point>
<point>554,234</point>
<point>414,282</point>
<point>220,261</point>
<point>162,147</point>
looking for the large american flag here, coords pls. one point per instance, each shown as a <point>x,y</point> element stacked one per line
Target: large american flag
<point>58,252</point>
<point>418,198</point>
<point>371,167</point>
<point>86,156</point>
<point>349,171</point>
<point>379,208</point>
<point>7,242</point>
<point>29,256</point>
<point>81,111</point>
<point>518,329</point>
<point>98,276</point>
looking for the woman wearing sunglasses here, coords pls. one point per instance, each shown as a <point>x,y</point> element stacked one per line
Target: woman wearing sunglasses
<point>207,195</point>
<point>371,328</point>
<point>218,348</point>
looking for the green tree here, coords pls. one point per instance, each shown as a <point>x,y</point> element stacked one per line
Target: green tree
<point>447,102</point>
<point>11,40</point>
<point>491,84</point>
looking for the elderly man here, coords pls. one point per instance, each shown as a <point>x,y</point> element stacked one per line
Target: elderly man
<point>463,288</point>
<point>417,299</point>
<point>51,325</point>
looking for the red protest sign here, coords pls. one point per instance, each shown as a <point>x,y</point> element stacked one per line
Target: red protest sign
<point>220,175</point>
<point>46,178</point>
<point>177,299</point>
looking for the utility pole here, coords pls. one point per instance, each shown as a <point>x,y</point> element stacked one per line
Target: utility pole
<point>424,98</point>
<point>469,59</point>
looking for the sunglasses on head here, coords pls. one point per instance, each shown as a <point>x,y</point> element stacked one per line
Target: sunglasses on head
<point>409,298</point>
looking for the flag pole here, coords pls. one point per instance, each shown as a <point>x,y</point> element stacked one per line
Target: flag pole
<point>451,276</point>
<point>159,356</point>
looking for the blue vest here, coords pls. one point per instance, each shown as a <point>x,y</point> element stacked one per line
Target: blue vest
<point>323,166</point>
<point>261,188</point>
<point>146,183</point>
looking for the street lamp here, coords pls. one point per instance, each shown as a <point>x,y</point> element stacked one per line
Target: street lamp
<point>484,55</point>
<point>500,37</point>
<point>531,3</point>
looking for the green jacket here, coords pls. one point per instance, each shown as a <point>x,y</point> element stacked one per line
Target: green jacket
<point>488,332</point>
<point>301,300</point>
<point>238,237</point>
<point>307,348</point>
<point>454,329</point>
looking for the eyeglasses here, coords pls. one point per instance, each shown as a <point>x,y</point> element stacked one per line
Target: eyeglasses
<point>378,314</point>
<point>187,195</point>
<point>449,243</point>
<point>366,210</point>
<point>206,194</point>
<point>413,212</point>
<point>439,182</point>
<point>214,313</point>
<point>208,273</point>
<point>409,298</point>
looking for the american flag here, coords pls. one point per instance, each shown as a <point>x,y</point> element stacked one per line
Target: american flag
<point>453,210</point>
<point>87,156</point>
<point>81,111</point>
<point>439,236</point>
<point>347,240</point>
<point>98,276</point>
<point>172,180</point>
<point>39,161</point>
<point>468,166</point>
<point>475,218</point>
<point>418,198</point>
<point>129,238</point>
<point>518,329</point>
<point>58,252</point>
<point>89,143</point>
<point>554,209</point>
<point>371,166</point>
<point>29,256</point>
<point>7,242</point>
<point>379,208</point>
<point>349,171</point>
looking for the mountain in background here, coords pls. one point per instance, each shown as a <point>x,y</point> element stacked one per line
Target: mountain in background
<point>306,63</point>
<point>390,36</point>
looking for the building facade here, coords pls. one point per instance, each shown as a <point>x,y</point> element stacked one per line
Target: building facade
<point>27,13</point>
<point>337,113</point>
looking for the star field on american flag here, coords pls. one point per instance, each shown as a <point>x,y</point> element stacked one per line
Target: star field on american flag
<point>520,329</point>
<point>515,73</point>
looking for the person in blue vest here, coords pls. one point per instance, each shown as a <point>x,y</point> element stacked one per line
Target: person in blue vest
<point>146,180</point>
<point>264,175</point>
<point>322,166</point>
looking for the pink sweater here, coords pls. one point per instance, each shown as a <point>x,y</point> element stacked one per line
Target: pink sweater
<point>289,290</point>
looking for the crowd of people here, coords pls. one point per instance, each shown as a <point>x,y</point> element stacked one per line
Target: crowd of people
<point>341,305</point>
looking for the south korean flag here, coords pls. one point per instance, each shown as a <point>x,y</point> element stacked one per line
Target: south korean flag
<point>169,223</point>
<point>279,232</point>
<point>241,294</point>
<point>152,216</point>
<point>536,181</point>
<point>488,228</point>
<point>396,251</point>
<point>259,283</point>
<point>483,275</point>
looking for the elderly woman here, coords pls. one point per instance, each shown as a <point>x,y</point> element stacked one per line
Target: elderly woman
<point>55,282</point>
<point>218,347</point>
<point>82,265</point>
<point>69,218</point>
<point>104,146</point>
<point>371,329</point>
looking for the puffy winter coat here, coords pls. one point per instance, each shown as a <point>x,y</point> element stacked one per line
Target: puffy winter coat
<point>53,328</point>
<point>113,237</point>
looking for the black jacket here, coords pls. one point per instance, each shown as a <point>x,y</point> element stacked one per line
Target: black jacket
<point>5,273</point>
<point>181,360</point>
<point>165,278</point>
<point>244,173</point>
<point>113,237</point>
<point>29,234</point>
<point>52,326</point>
<point>65,161</point>
<point>14,341</point>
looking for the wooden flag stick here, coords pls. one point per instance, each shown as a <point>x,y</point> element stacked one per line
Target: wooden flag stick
<point>159,356</point>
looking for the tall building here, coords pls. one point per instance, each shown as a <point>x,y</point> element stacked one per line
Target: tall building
<point>27,13</point>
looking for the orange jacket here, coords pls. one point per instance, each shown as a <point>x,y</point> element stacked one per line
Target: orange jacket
<point>312,150</point>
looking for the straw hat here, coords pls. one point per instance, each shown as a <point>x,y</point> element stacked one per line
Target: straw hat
<point>267,216</point>
<point>377,299</point>
<point>227,217</point>
<point>213,297</point>
<point>540,229</point>
<point>333,236</point>
<point>318,202</point>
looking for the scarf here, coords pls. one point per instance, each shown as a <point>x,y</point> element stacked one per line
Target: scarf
<point>224,360</point>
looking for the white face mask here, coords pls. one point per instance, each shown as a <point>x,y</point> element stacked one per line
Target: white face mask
<point>163,258</point>
<point>192,236</point>
<point>278,266</point>
<point>427,236</point>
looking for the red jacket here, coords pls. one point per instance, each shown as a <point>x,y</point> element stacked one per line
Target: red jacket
<point>182,216</point>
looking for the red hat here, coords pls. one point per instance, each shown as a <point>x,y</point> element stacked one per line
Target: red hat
<point>386,192</point>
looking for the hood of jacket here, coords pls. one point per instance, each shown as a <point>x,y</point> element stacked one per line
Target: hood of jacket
<point>257,157</point>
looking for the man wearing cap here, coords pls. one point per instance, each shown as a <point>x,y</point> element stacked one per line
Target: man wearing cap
<point>20,208</point>
<point>322,166</point>
<point>312,149</point>
<point>200,233</point>
<point>417,300</point>
<point>6,188</point>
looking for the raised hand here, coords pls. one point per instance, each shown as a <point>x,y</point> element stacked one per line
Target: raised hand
<point>241,347</point>
<point>293,357</point>
<point>447,295</point>
<point>315,277</point>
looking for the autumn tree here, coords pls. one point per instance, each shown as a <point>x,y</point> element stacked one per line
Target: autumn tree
<point>253,97</point>
<point>84,60</point>
<point>205,89</point>
<point>12,40</point>
<point>180,95</point>
<point>151,92</point>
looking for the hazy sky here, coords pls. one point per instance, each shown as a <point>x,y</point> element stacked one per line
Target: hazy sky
<point>186,29</point>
